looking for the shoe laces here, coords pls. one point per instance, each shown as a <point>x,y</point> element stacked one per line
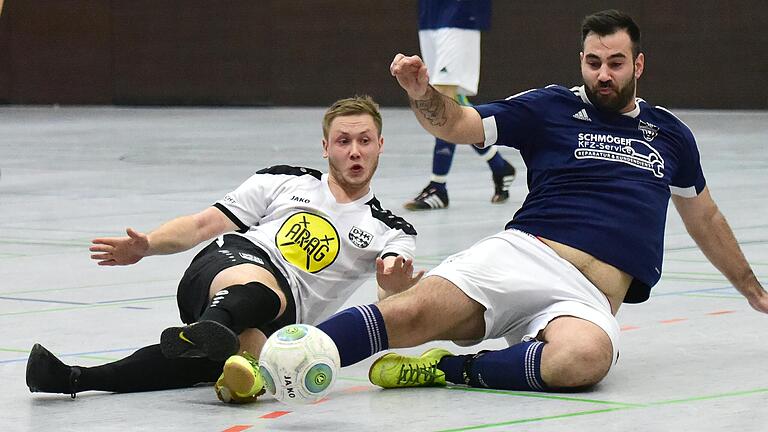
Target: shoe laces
<point>429,190</point>
<point>251,359</point>
<point>418,373</point>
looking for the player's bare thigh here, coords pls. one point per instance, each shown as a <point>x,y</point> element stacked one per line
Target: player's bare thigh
<point>435,309</point>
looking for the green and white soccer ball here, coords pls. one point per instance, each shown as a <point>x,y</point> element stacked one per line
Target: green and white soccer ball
<point>299,364</point>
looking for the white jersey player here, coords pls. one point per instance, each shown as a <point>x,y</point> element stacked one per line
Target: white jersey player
<point>318,244</point>
<point>306,241</point>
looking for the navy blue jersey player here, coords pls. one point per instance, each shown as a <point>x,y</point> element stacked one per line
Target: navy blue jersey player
<point>449,39</point>
<point>602,166</point>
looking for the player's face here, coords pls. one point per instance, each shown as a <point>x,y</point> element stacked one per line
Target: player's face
<point>352,147</point>
<point>610,75</point>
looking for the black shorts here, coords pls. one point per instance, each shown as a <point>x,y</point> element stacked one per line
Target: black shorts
<point>194,287</point>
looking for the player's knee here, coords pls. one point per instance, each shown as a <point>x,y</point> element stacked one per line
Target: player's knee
<point>578,365</point>
<point>402,313</point>
<point>405,318</point>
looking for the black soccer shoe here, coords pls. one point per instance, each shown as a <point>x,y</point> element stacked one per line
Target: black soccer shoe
<point>47,374</point>
<point>431,198</point>
<point>501,183</point>
<point>201,339</point>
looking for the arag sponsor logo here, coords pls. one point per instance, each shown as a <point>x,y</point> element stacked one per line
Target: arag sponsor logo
<point>629,151</point>
<point>308,241</point>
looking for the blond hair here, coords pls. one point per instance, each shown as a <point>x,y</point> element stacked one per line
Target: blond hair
<point>352,106</point>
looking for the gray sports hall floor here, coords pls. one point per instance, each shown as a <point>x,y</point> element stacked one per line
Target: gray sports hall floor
<point>693,357</point>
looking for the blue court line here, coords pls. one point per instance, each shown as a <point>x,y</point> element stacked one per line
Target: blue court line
<point>133,299</point>
<point>695,247</point>
<point>79,354</point>
<point>696,291</point>
<point>43,301</point>
<point>86,304</point>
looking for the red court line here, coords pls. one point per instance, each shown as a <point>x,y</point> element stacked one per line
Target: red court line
<point>275,414</point>
<point>673,320</point>
<point>629,328</point>
<point>356,389</point>
<point>722,312</point>
<point>237,428</point>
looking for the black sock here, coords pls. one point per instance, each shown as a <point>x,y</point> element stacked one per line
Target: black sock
<point>243,306</point>
<point>147,370</point>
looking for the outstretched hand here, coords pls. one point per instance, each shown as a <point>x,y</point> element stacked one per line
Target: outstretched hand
<point>411,74</point>
<point>120,250</point>
<point>397,276</point>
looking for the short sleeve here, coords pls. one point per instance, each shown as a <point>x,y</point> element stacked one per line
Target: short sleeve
<point>510,122</point>
<point>247,204</point>
<point>402,244</point>
<point>688,181</point>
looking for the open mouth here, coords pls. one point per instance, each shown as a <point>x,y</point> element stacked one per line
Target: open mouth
<point>605,90</point>
<point>357,168</point>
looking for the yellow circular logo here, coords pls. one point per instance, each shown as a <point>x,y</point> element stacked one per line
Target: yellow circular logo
<point>308,241</point>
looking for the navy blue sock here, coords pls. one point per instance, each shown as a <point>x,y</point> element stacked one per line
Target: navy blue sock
<point>515,368</point>
<point>358,333</point>
<point>497,163</point>
<point>442,157</point>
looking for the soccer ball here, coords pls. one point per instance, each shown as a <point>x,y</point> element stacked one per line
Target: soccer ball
<point>299,364</point>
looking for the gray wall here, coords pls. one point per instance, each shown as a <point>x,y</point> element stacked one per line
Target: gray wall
<point>699,53</point>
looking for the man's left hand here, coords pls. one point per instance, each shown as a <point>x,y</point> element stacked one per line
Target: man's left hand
<point>396,275</point>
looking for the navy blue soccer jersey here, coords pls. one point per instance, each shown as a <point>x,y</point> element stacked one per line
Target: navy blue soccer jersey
<point>465,14</point>
<point>598,181</point>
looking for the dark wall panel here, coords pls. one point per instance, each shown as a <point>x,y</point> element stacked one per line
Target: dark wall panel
<point>5,57</point>
<point>191,52</point>
<point>59,51</point>
<point>699,53</point>
<point>337,48</point>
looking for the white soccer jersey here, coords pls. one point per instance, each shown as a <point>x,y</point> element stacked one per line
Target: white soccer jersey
<point>325,249</point>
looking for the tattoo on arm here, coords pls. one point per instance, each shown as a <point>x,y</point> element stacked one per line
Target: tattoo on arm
<point>433,109</point>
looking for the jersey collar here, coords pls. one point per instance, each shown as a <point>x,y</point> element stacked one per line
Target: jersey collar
<point>362,200</point>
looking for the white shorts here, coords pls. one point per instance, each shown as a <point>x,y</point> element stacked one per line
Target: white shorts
<point>452,56</point>
<point>523,285</point>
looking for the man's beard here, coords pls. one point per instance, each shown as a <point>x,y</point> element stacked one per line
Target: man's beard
<point>613,103</point>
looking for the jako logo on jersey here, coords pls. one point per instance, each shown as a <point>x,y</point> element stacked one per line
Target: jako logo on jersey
<point>359,237</point>
<point>300,199</point>
<point>649,130</point>
<point>619,149</point>
<point>308,241</point>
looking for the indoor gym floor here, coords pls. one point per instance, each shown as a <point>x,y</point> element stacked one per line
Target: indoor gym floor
<point>692,358</point>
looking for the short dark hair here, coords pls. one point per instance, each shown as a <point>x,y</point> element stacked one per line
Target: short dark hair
<point>608,22</point>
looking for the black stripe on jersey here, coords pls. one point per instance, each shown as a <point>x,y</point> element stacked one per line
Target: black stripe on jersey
<point>389,219</point>
<point>243,227</point>
<point>291,170</point>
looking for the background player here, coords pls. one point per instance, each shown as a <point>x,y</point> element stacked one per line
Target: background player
<point>449,37</point>
<point>306,241</point>
<point>602,165</point>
